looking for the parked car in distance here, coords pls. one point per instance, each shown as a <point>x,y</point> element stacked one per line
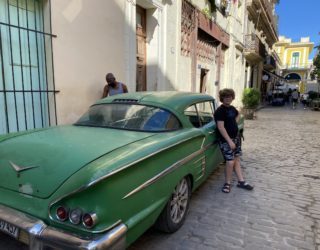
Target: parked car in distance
<point>130,162</point>
<point>278,98</point>
<point>315,104</point>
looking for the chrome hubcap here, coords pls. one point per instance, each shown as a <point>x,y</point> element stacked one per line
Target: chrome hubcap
<point>179,201</point>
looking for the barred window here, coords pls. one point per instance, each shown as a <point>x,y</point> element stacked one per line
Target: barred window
<point>27,90</point>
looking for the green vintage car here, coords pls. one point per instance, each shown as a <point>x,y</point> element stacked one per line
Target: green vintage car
<point>130,162</point>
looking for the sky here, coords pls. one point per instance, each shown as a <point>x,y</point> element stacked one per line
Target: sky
<point>299,19</point>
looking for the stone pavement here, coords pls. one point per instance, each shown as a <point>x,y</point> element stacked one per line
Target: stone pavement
<point>281,158</point>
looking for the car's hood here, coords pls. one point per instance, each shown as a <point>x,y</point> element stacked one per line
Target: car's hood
<point>38,163</point>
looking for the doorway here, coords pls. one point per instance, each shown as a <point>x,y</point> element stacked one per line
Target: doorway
<point>203,80</point>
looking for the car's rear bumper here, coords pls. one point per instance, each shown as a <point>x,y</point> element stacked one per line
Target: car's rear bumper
<point>38,235</point>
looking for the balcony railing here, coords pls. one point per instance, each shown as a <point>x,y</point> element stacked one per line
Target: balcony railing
<point>266,17</point>
<point>253,47</point>
<point>252,43</point>
<point>269,10</point>
<point>301,66</point>
<point>269,62</point>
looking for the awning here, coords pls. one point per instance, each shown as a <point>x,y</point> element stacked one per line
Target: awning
<point>274,75</point>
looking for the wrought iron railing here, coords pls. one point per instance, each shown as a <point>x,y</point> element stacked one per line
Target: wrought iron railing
<point>27,88</point>
<point>268,7</point>
<point>292,66</point>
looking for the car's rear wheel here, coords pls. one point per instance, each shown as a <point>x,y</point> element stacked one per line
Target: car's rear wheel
<point>175,211</point>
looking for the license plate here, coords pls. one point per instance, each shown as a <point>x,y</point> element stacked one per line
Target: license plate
<point>9,229</point>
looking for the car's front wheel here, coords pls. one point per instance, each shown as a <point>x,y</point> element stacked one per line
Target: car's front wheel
<point>175,211</point>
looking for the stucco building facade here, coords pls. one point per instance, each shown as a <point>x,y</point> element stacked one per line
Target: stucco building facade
<point>261,33</point>
<point>295,62</point>
<point>55,54</point>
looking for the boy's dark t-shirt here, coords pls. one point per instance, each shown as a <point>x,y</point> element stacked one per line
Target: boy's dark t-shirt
<point>228,115</point>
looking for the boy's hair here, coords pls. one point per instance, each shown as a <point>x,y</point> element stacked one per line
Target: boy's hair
<point>225,93</point>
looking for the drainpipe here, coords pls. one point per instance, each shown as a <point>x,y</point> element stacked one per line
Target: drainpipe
<point>194,40</point>
<point>219,54</point>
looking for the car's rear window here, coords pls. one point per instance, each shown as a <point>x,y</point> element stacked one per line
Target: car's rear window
<point>129,117</point>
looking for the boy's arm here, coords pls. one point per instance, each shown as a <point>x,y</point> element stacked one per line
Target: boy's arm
<point>223,132</point>
<point>238,118</point>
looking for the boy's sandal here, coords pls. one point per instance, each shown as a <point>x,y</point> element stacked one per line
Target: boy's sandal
<point>244,185</point>
<point>226,188</point>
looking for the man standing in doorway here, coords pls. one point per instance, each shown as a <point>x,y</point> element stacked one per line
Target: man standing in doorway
<point>113,87</point>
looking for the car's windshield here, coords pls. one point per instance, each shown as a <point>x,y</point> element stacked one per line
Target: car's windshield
<point>130,117</point>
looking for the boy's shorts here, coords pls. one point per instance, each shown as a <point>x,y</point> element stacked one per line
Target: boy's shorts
<point>227,152</point>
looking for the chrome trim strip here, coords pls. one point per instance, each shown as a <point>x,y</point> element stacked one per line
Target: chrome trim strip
<point>141,159</point>
<point>165,172</point>
<point>19,169</point>
<point>203,142</point>
<point>203,168</point>
<point>198,160</point>
<point>114,239</point>
<point>41,235</point>
<point>120,169</point>
<point>173,167</point>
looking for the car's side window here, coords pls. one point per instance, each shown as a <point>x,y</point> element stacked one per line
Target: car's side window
<point>200,114</point>
<point>192,113</point>
<point>205,111</point>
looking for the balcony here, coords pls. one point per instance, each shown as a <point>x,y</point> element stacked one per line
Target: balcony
<point>297,67</point>
<point>261,12</point>
<point>211,28</point>
<point>254,50</point>
<point>269,63</point>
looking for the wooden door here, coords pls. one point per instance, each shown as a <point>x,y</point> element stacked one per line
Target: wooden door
<point>141,84</point>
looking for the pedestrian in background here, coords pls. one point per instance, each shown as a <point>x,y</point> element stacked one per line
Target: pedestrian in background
<point>288,96</point>
<point>226,117</point>
<point>304,100</point>
<point>113,87</point>
<point>269,96</point>
<point>294,97</point>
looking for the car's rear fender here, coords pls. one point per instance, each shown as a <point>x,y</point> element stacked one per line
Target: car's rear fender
<point>136,194</point>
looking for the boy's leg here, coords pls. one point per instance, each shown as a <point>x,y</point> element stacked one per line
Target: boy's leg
<point>228,155</point>
<point>241,182</point>
<point>237,168</point>
<point>229,171</point>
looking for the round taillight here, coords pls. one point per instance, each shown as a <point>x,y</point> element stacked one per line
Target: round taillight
<point>89,220</point>
<point>75,216</point>
<point>62,213</point>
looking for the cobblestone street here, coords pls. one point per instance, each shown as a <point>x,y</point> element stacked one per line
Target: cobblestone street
<point>281,159</point>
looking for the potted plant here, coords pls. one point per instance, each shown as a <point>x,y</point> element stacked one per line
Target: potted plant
<point>250,100</point>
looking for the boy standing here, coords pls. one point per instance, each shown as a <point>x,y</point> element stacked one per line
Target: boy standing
<point>226,117</point>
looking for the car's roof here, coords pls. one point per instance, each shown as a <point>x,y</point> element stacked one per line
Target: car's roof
<point>175,100</point>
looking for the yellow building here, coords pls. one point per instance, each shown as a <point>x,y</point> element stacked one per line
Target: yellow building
<point>295,62</point>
